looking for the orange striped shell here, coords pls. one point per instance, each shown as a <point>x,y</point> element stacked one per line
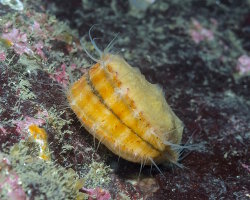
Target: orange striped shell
<point>129,115</point>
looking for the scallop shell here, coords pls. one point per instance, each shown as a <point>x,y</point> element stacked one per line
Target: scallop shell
<point>129,115</point>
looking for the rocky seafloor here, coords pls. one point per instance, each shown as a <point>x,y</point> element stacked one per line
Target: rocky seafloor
<point>197,51</point>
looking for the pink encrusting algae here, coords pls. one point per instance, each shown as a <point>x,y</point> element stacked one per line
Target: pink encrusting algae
<point>2,56</point>
<point>199,33</point>
<point>247,167</point>
<point>243,65</point>
<point>97,193</point>
<point>39,49</point>
<point>36,28</point>
<point>10,184</point>
<point>61,76</point>
<point>18,40</point>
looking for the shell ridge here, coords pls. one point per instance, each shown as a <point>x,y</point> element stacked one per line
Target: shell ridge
<point>103,102</point>
<point>142,122</point>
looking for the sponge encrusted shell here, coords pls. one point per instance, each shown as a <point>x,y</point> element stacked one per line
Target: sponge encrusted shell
<point>129,115</point>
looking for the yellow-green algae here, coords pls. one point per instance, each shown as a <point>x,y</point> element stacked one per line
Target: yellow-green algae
<point>46,179</point>
<point>96,174</point>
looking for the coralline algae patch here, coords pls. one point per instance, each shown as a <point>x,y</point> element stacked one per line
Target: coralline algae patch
<point>125,112</point>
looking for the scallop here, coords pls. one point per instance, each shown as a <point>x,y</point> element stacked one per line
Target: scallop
<point>126,113</point>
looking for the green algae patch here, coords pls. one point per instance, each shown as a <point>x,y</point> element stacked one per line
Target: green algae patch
<point>58,123</point>
<point>44,180</point>
<point>96,174</point>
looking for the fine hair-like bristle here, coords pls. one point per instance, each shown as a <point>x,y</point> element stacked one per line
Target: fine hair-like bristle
<point>98,50</point>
